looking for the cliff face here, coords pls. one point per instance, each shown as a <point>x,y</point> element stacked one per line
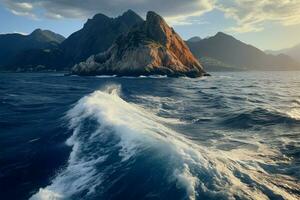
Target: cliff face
<point>149,48</point>
<point>97,35</point>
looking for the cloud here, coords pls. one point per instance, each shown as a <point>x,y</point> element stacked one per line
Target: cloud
<point>53,15</point>
<point>18,32</point>
<point>173,10</point>
<point>249,15</point>
<point>21,8</point>
<point>22,33</point>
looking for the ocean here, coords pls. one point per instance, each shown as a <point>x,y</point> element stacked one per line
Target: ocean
<point>234,135</point>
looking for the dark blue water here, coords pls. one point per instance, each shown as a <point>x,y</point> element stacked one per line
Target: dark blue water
<point>229,136</point>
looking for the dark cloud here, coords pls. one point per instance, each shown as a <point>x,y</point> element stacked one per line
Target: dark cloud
<point>249,15</point>
<point>173,9</point>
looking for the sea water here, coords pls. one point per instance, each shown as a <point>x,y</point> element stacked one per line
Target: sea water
<point>228,136</point>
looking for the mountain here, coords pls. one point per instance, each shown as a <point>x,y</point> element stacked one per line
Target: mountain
<point>46,36</point>
<point>213,65</point>
<point>293,52</point>
<point>151,47</point>
<point>238,55</point>
<point>97,35</point>
<point>194,39</point>
<point>12,44</point>
<point>38,60</point>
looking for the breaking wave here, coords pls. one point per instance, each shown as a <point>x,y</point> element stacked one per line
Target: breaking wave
<point>113,138</point>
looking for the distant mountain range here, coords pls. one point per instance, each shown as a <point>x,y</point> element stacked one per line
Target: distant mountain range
<point>45,50</point>
<point>12,45</point>
<point>97,35</point>
<point>293,52</point>
<point>223,51</point>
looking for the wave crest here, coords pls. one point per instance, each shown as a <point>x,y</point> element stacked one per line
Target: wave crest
<point>110,134</point>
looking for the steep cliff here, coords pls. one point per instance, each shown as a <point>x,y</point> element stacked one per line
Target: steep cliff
<point>151,47</point>
<point>97,35</point>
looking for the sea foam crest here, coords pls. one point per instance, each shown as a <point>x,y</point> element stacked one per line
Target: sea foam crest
<point>294,113</point>
<point>215,173</point>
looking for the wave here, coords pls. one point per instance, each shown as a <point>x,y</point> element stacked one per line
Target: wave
<point>294,113</point>
<point>262,117</point>
<point>134,77</point>
<point>161,106</point>
<point>106,76</point>
<point>150,76</point>
<point>111,135</point>
<point>158,76</point>
<point>296,101</point>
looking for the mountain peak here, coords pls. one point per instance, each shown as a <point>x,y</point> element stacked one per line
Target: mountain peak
<point>220,36</point>
<point>99,16</point>
<point>233,52</point>
<point>154,18</point>
<point>97,35</point>
<point>129,13</point>
<point>130,18</point>
<point>157,28</point>
<point>46,35</point>
<point>97,19</point>
<point>223,35</point>
<point>194,39</point>
<point>36,31</point>
<point>151,47</point>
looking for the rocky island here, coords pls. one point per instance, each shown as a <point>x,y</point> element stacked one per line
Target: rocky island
<point>149,48</point>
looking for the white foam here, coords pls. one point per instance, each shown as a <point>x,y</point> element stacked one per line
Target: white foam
<point>142,76</point>
<point>45,194</point>
<point>106,76</point>
<point>154,104</point>
<point>186,180</point>
<point>137,128</point>
<point>158,76</point>
<point>294,113</point>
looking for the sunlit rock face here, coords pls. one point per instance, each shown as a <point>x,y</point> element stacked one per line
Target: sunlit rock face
<point>97,35</point>
<point>150,48</point>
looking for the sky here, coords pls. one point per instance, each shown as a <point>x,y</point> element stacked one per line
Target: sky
<point>266,24</point>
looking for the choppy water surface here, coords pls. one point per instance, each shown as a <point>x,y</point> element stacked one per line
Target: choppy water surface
<point>229,136</point>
